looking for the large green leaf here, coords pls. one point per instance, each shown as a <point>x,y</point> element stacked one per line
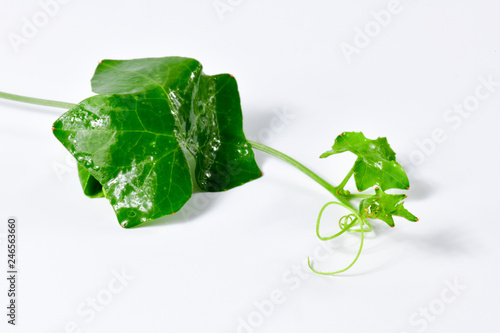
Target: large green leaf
<point>383,206</point>
<point>376,163</point>
<point>131,140</point>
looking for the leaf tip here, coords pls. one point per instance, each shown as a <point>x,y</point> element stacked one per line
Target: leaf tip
<point>53,128</point>
<point>416,219</point>
<point>408,187</point>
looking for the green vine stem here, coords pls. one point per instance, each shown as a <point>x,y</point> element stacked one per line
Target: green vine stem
<point>36,101</point>
<point>330,188</point>
<point>343,223</point>
<point>368,229</point>
<point>359,195</point>
<point>336,191</point>
<point>346,179</point>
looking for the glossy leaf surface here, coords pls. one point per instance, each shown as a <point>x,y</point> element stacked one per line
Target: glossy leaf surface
<point>91,186</point>
<point>376,163</point>
<point>132,139</point>
<point>384,206</point>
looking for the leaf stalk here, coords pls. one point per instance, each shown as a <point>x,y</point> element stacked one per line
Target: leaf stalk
<point>36,101</point>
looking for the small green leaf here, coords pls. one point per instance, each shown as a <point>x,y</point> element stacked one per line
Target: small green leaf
<point>130,141</point>
<point>383,206</point>
<point>376,163</point>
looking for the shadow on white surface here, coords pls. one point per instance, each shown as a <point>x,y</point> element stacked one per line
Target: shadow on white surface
<point>419,190</point>
<point>447,242</point>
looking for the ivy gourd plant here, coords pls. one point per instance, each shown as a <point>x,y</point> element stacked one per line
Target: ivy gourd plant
<point>132,142</point>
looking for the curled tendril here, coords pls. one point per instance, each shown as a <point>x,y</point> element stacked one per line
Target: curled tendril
<point>346,220</point>
<point>346,223</point>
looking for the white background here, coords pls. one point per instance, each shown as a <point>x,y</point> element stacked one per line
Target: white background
<point>210,272</point>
